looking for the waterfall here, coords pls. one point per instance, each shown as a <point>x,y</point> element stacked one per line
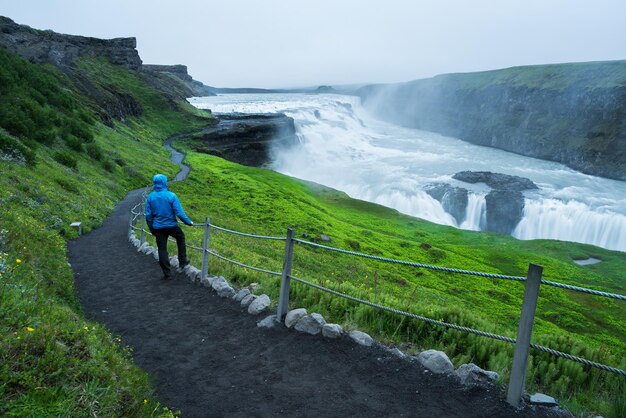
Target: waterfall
<point>343,146</point>
<point>572,221</point>
<point>475,213</point>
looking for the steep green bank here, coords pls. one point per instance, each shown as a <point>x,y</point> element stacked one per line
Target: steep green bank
<point>66,155</point>
<point>574,114</point>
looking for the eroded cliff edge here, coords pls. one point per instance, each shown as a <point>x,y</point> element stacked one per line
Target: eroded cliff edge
<point>61,50</point>
<point>574,114</point>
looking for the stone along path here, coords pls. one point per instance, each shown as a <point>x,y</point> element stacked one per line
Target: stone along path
<point>208,358</point>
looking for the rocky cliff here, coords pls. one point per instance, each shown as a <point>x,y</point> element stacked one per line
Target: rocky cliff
<point>570,113</point>
<point>247,138</point>
<point>44,46</point>
<point>109,102</point>
<point>176,80</point>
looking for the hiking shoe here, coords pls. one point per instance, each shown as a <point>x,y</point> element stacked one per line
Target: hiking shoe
<point>166,277</point>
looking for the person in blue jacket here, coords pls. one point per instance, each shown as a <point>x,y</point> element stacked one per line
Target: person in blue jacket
<point>162,209</point>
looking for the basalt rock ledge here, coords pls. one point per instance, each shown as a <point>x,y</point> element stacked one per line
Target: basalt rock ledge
<point>247,139</point>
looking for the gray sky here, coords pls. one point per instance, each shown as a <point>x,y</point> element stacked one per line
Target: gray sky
<point>289,43</point>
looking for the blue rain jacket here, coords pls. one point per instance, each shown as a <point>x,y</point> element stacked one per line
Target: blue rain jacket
<point>163,206</point>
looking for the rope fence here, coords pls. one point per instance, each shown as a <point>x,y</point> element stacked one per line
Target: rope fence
<point>522,343</point>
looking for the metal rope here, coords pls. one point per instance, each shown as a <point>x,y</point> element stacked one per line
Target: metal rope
<point>584,290</point>
<point>459,271</point>
<point>579,359</point>
<point>465,329</point>
<point>408,314</point>
<point>244,265</point>
<point>247,235</point>
<point>413,264</point>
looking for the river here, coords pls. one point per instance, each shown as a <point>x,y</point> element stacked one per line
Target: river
<point>345,147</point>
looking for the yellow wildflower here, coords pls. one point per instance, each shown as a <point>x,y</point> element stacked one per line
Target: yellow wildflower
<point>29,329</point>
<point>17,260</point>
<point>86,328</point>
<point>145,401</point>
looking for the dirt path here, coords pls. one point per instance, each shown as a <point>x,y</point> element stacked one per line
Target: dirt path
<point>208,358</point>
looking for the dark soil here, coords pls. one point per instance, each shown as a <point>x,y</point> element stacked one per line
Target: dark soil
<point>208,358</point>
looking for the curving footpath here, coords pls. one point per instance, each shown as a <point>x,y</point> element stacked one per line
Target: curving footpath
<point>208,358</point>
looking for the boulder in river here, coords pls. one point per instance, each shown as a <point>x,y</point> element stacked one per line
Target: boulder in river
<point>452,199</point>
<point>504,210</point>
<point>497,181</point>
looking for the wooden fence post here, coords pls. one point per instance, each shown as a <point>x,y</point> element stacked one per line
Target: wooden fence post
<point>524,334</point>
<point>285,281</point>
<point>205,248</point>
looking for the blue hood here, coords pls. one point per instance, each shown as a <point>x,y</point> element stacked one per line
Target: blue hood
<point>160,182</point>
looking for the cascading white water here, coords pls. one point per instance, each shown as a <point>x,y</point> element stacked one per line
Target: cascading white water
<point>475,214</point>
<point>570,221</point>
<point>344,147</point>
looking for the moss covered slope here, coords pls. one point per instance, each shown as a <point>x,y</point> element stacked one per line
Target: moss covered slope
<point>64,158</point>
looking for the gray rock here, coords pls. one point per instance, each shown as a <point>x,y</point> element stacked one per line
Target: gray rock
<point>247,300</point>
<point>361,338</point>
<point>204,281</point>
<point>259,304</point>
<point>241,294</point>
<point>293,316</point>
<point>155,254</point>
<point>246,139</point>
<point>222,287</point>
<point>192,272</point>
<point>452,199</point>
<point>504,210</point>
<point>332,331</point>
<point>472,375</point>
<point>397,352</point>
<point>325,238</point>
<point>143,248</point>
<point>436,361</point>
<point>543,400</point>
<point>496,181</point>
<point>269,322</point>
<point>174,261</point>
<point>310,324</point>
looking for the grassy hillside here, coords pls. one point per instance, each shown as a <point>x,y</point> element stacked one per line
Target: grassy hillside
<point>73,144</point>
<point>60,164</point>
<point>264,202</point>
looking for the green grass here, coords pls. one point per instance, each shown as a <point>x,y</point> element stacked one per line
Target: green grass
<point>64,167</point>
<point>263,202</point>
<point>54,362</point>
<point>591,75</point>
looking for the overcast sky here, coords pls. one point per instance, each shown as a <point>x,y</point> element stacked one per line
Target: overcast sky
<point>290,43</point>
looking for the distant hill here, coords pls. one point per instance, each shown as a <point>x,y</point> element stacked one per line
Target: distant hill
<point>574,114</point>
<point>63,51</point>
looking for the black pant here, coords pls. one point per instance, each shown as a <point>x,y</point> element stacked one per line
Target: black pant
<point>161,235</point>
